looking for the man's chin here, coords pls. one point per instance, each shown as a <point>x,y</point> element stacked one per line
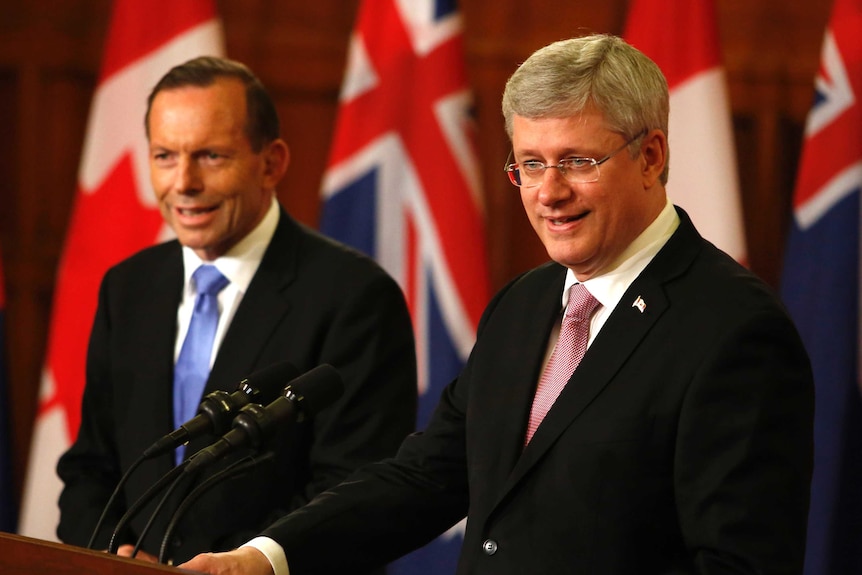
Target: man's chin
<point>204,249</point>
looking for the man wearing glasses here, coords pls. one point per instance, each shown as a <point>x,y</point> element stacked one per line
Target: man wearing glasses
<point>641,404</point>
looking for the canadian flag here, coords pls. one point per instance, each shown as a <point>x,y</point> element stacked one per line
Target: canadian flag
<point>114,215</point>
<point>681,36</point>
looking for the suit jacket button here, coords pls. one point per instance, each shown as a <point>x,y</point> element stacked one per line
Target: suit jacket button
<point>489,547</point>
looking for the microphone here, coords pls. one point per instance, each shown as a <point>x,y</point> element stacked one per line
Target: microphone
<point>215,413</point>
<point>217,409</point>
<point>303,397</point>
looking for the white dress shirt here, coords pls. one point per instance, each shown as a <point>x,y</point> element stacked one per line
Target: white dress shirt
<point>238,265</point>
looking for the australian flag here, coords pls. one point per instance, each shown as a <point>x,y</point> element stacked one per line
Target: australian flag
<point>821,286</point>
<point>402,185</point>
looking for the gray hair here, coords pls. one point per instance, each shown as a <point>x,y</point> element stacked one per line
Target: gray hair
<point>602,71</point>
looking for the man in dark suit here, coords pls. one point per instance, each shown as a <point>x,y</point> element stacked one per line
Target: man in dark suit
<point>681,443</point>
<point>291,295</point>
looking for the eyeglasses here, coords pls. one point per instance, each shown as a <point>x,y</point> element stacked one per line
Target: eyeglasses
<point>575,170</point>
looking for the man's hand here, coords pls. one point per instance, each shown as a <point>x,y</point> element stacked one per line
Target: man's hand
<point>126,551</point>
<point>242,561</point>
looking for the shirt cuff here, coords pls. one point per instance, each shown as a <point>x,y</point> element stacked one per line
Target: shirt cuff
<point>273,552</point>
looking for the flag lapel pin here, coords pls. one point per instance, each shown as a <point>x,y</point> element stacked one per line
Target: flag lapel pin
<point>640,304</point>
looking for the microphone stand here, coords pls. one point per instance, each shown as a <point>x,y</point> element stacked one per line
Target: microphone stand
<point>238,468</point>
<point>214,409</point>
<point>165,498</point>
<point>214,414</point>
<point>143,500</point>
<point>113,497</point>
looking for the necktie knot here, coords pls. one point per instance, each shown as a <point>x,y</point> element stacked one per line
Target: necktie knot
<point>581,303</point>
<point>208,280</point>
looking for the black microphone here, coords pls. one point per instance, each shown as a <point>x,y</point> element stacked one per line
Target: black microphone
<point>304,396</point>
<point>218,408</point>
<point>215,413</point>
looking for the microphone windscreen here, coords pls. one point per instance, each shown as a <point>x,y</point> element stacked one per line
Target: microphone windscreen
<point>316,389</point>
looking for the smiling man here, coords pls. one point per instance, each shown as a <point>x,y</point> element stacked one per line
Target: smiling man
<point>641,404</point>
<point>213,182</point>
<point>281,293</point>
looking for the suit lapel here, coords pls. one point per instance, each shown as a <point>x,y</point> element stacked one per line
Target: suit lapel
<point>262,309</point>
<point>620,336</point>
<point>534,314</point>
<point>626,327</point>
<point>154,364</point>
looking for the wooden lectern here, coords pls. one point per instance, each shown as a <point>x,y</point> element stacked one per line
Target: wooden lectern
<point>25,556</point>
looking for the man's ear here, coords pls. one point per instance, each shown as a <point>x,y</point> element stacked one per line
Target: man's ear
<point>655,156</point>
<point>276,156</point>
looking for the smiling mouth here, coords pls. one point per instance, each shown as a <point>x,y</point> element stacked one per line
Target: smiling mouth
<point>566,220</point>
<point>195,211</point>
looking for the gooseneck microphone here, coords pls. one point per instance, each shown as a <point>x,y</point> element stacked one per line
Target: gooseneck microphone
<point>303,396</point>
<point>217,409</point>
<point>254,424</point>
<point>236,469</point>
<point>214,416</point>
<point>169,478</point>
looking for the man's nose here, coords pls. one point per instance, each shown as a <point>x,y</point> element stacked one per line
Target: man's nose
<point>554,186</point>
<point>187,175</point>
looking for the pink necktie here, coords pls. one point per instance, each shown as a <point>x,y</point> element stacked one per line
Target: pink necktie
<point>566,356</point>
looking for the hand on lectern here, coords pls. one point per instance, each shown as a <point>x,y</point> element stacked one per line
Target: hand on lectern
<point>242,561</point>
<point>127,549</point>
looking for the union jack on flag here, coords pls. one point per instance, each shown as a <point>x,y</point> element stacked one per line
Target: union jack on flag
<point>402,185</point>
<point>821,286</point>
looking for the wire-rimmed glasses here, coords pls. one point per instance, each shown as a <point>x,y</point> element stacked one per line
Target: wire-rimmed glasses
<point>575,169</point>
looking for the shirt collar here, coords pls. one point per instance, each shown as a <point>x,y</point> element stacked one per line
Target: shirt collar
<point>240,262</point>
<point>609,287</point>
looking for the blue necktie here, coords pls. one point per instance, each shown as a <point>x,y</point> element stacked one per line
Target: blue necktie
<point>193,364</point>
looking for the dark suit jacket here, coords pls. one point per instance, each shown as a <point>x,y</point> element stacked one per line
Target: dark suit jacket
<point>682,444</point>
<point>311,301</point>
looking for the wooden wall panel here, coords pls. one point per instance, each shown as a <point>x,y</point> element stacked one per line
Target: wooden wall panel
<point>49,58</point>
<point>47,147</point>
<point>50,54</point>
